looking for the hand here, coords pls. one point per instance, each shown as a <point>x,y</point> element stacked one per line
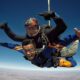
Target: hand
<point>3,25</point>
<point>18,48</point>
<point>47,15</point>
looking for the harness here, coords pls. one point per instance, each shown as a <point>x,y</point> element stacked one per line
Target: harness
<point>44,38</point>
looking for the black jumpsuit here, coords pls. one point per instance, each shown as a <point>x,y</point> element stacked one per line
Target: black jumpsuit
<point>52,35</point>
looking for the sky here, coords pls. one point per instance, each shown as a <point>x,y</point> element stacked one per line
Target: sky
<point>15,13</point>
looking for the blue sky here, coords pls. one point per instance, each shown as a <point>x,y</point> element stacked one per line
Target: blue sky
<point>15,12</point>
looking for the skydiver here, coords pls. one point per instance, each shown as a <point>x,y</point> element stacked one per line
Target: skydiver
<point>44,58</point>
<point>34,30</point>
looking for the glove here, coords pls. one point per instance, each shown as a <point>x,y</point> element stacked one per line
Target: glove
<point>47,15</point>
<point>3,25</point>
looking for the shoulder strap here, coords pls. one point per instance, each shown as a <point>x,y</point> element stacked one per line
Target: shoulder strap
<point>43,36</point>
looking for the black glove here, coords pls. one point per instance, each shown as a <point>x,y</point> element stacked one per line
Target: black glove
<point>47,15</point>
<point>3,25</point>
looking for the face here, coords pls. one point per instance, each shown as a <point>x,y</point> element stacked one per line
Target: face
<point>32,28</point>
<point>29,51</point>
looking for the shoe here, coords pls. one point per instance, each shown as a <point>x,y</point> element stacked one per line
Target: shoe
<point>3,25</point>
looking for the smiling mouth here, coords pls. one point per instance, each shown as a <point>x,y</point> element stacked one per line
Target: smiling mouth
<point>30,56</point>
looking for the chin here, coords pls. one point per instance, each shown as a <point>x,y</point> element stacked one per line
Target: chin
<point>31,58</point>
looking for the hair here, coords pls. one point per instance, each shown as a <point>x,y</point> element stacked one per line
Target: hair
<point>28,21</point>
<point>28,41</point>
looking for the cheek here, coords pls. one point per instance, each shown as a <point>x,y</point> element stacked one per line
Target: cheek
<point>25,53</point>
<point>29,53</point>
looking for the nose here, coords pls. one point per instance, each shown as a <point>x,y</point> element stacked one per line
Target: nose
<point>28,53</point>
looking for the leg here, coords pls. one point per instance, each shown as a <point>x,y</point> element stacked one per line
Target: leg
<point>49,52</point>
<point>51,60</point>
<point>68,52</point>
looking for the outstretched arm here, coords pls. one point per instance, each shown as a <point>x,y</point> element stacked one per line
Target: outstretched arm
<point>10,34</point>
<point>12,46</point>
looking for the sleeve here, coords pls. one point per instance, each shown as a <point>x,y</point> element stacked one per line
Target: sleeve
<point>69,39</point>
<point>12,35</point>
<point>11,46</point>
<point>60,26</point>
